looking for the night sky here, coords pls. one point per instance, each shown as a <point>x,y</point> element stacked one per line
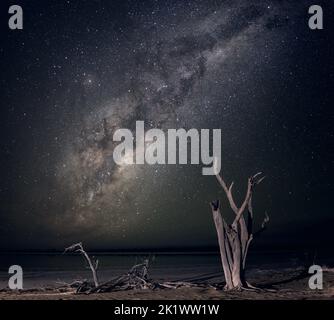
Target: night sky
<point>81,69</point>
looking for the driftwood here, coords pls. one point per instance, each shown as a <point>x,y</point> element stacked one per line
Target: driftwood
<point>93,265</point>
<point>234,239</point>
<point>137,278</point>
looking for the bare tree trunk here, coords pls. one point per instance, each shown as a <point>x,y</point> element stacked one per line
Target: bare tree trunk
<point>225,257</point>
<point>234,239</point>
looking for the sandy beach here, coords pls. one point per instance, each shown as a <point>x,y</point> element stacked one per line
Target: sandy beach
<point>284,284</point>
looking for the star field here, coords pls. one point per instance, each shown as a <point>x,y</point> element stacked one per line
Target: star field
<point>82,69</point>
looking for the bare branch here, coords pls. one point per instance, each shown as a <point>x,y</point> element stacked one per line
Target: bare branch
<point>263,225</point>
<point>78,248</point>
<point>252,181</point>
<point>265,220</point>
<point>228,192</point>
<point>244,204</point>
<point>260,180</point>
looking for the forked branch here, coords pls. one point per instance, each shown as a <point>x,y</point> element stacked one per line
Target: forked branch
<point>252,182</point>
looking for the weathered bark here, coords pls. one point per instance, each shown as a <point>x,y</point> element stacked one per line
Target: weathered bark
<point>93,267</point>
<point>234,239</point>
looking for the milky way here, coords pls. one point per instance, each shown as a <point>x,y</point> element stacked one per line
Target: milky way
<point>171,66</point>
<point>202,64</point>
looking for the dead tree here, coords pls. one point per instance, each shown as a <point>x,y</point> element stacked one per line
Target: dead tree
<point>234,239</point>
<point>93,265</point>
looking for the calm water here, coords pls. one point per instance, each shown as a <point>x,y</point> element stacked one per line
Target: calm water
<point>45,268</point>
